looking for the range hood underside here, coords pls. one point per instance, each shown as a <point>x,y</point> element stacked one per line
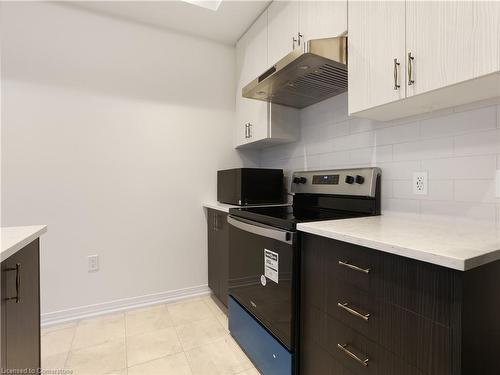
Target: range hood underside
<point>299,80</point>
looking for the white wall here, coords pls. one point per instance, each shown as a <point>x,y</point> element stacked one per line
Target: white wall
<point>112,133</point>
<point>459,148</point>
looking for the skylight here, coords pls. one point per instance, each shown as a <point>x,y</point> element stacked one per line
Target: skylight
<point>207,4</point>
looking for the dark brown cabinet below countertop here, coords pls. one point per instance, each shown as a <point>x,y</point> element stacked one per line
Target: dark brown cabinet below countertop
<point>218,253</point>
<point>20,310</point>
<point>368,312</point>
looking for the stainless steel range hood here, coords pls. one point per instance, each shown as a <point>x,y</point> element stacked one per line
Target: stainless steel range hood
<point>305,76</point>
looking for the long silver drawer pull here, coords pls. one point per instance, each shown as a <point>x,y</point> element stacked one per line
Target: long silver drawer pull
<point>346,307</point>
<point>411,81</point>
<point>396,67</point>
<point>363,362</point>
<point>353,267</point>
<point>17,298</point>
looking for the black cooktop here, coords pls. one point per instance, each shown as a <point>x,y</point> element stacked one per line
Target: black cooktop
<point>287,217</point>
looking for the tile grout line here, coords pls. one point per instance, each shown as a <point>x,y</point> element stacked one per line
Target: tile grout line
<point>71,345</point>
<point>126,341</point>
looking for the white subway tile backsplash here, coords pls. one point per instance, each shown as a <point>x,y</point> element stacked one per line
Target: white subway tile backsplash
<point>459,210</point>
<point>398,134</point>
<point>458,147</point>
<point>335,159</point>
<point>399,170</point>
<point>361,125</point>
<point>354,141</point>
<point>386,189</point>
<point>440,190</point>
<point>401,206</point>
<point>469,167</point>
<point>371,155</point>
<point>425,149</point>
<point>475,190</point>
<point>319,147</point>
<point>487,142</point>
<point>458,123</point>
<point>325,131</point>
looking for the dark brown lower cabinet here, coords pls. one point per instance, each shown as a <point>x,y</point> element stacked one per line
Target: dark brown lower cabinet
<point>20,311</point>
<point>218,253</point>
<point>390,315</point>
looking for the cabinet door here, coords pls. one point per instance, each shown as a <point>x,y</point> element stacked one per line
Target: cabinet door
<point>376,38</point>
<point>251,61</point>
<point>283,24</point>
<point>21,331</point>
<point>451,42</point>
<point>322,19</point>
<point>222,244</point>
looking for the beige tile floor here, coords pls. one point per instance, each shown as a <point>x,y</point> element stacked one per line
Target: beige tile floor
<point>183,338</point>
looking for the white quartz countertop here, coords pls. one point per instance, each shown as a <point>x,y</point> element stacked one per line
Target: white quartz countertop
<point>225,207</point>
<point>13,239</point>
<point>452,244</point>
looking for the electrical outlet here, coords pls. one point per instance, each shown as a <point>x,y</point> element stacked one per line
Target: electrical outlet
<point>498,184</point>
<point>93,263</point>
<point>420,183</point>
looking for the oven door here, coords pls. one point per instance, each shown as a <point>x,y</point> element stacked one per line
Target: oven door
<point>263,275</point>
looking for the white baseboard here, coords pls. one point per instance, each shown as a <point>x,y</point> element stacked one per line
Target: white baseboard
<point>88,311</point>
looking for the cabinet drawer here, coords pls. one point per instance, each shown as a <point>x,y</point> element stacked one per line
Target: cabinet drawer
<point>417,340</point>
<point>360,355</point>
<point>354,307</point>
<point>265,351</point>
<point>356,265</point>
<point>425,289</point>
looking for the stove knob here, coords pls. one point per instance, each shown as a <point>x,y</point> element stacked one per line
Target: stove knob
<point>349,180</point>
<point>299,180</point>
<point>360,179</point>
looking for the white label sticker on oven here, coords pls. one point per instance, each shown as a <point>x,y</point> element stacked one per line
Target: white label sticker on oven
<point>271,265</point>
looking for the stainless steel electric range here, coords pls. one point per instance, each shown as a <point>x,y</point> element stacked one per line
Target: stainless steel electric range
<point>264,260</point>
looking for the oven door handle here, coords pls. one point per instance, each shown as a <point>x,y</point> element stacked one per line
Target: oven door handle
<point>261,230</point>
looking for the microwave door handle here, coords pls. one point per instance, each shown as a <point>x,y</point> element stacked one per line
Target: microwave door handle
<point>262,230</point>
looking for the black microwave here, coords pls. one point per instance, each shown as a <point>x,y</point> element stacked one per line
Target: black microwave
<point>250,186</point>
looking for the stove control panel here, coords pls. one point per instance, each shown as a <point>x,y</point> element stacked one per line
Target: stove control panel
<point>358,182</point>
<point>326,179</point>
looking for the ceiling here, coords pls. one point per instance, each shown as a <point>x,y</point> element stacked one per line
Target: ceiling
<point>225,25</point>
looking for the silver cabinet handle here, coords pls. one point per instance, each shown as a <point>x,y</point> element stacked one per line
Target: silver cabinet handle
<point>363,362</point>
<point>346,307</point>
<point>246,130</point>
<point>249,130</point>
<point>396,67</point>
<point>297,40</point>
<point>411,81</point>
<point>353,267</point>
<point>17,268</point>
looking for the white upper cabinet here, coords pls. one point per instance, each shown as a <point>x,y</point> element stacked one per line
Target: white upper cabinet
<point>376,63</point>
<point>283,29</point>
<point>259,123</point>
<point>322,19</point>
<point>450,42</point>
<point>251,60</point>
<point>447,54</point>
